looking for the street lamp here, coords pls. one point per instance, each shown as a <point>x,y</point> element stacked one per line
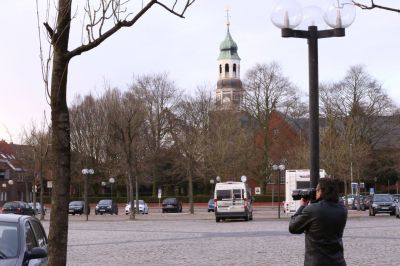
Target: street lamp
<point>4,185</point>
<point>86,172</point>
<point>288,15</point>
<point>218,178</point>
<point>111,180</point>
<point>279,168</point>
<point>212,185</point>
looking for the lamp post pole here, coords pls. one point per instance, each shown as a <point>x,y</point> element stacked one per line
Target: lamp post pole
<point>287,16</point>
<point>279,169</point>
<point>111,180</point>
<point>85,173</point>
<point>212,186</point>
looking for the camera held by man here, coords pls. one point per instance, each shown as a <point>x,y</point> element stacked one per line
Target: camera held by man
<point>308,194</point>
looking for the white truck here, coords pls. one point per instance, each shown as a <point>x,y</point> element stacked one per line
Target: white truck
<point>296,179</point>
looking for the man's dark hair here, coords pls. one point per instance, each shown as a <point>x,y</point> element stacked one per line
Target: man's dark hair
<point>329,189</point>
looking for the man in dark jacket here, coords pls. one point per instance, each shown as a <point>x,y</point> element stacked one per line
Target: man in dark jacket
<point>323,223</point>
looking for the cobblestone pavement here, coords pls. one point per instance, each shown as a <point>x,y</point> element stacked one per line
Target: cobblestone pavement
<point>185,239</point>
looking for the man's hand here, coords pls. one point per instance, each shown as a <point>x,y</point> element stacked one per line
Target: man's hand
<point>304,202</point>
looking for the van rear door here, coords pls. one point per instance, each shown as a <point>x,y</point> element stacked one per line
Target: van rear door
<point>230,200</point>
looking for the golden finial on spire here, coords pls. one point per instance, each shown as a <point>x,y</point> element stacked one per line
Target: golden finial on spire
<point>228,23</point>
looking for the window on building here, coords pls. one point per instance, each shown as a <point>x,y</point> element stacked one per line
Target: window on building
<point>234,70</point>
<point>220,69</point>
<point>226,70</point>
<point>275,133</point>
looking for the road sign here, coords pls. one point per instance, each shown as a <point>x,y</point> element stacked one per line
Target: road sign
<point>257,190</point>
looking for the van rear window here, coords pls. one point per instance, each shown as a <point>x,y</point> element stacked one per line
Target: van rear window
<point>224,194</point>
<point>237,193</point>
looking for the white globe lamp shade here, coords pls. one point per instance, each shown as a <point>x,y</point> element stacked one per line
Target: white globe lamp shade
<point>85,171</point>
<point>287,14</point>
<point>243,178</point>
<point>111,180</point>
<point>91,171</point>
<point>281,167</point>
<point>312,16</point>
<point>340,14</point>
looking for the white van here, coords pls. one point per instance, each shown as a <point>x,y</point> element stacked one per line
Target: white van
<point>233,200</point>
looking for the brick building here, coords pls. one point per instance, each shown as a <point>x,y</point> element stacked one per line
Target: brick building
<point>15,176</point>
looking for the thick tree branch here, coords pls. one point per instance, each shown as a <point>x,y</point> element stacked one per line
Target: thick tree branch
<point>125,23</point>
<point>50,31</point>
<point>373,5</point>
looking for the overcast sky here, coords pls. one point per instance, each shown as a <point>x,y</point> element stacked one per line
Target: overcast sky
<point>187,49</point>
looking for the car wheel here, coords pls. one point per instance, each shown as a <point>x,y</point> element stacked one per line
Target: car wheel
<point>397,215</point>
<point>392,214</point>
<point>101,213</point>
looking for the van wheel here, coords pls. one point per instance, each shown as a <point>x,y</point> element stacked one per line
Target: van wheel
<point>217,219</point>
<point>246,218</point>
<point>251,217</point>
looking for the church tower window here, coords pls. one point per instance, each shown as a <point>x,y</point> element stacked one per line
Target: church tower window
<point>226,70</point>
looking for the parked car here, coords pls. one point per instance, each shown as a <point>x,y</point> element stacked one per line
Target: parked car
<point>23,240</point>
<point>143,208</point>
<point>171,205</point>
<point>396,197</point>
<point>38,208</point>
<point>106,206</point>
<point>210,205</point>
<point>382,203</point>
<point>17,207</point>
<point>77,207</point>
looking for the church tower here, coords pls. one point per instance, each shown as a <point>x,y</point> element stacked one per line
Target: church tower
<point>229,93</point>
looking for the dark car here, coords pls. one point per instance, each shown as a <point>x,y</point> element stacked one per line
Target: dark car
<point>210,205</point>
<point>106,206</point>
<point>77,207</point>
<point>23,240</point>
<point>171,205</point>
<point>17,207</point>
<point>382,203</point>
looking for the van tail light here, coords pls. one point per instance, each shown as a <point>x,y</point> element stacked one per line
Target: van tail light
<point>245,203</point>
<point>2,210</point>
<point>215,204</point>
<point>18,210</point>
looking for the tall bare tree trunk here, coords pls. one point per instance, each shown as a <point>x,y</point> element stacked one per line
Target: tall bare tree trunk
<point>60,140</point>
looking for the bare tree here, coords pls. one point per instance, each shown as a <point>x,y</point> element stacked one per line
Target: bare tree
<point>39,141</point>
<point>268,90</point>
<point>359,116</point>
<point>125,119</point>
<point>160,97</point>
<point>102,21</point>
<point>372,5</point>
<point>188,128</point>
